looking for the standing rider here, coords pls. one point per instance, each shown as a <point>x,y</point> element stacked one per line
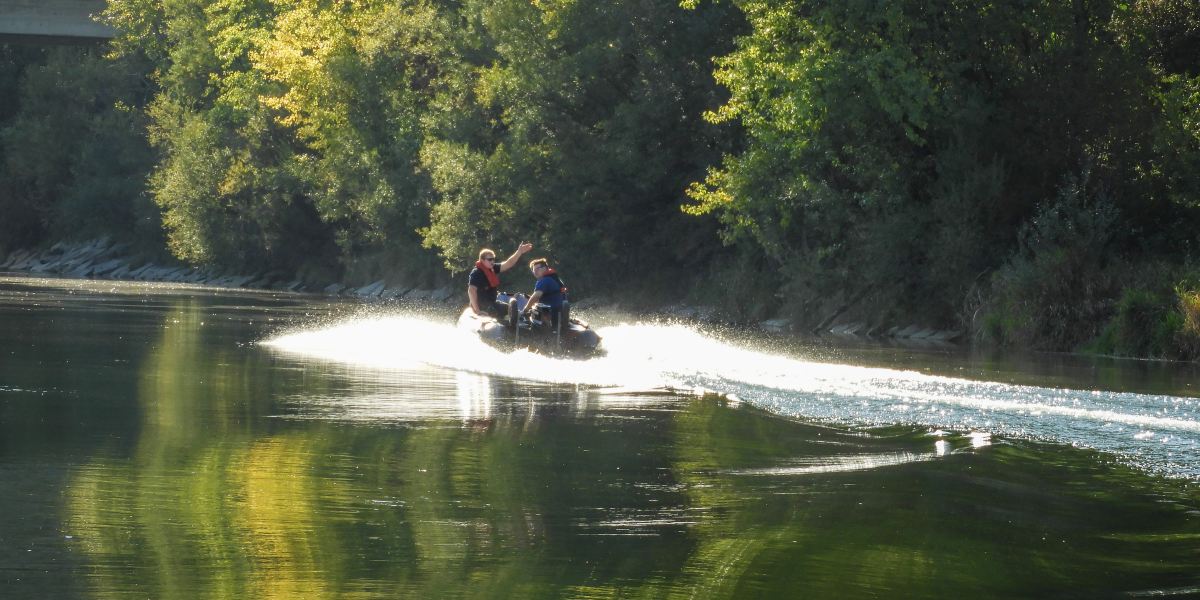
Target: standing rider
<point>484,280</point>
<point>548,290</point>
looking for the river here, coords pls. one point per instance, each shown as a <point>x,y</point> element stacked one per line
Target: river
<point>161,441</point>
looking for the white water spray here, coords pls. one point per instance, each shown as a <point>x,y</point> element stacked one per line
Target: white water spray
<point>1160,433</point>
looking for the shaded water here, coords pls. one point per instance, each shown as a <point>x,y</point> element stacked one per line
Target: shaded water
<point>167,442</point>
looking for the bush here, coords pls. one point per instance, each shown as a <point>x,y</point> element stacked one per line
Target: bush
<point>735,287</point>
<point>1187,336</point>
<point>73,154</point>
<point>1144,325</point>
<point>1153,324</point>
<point>1058,287</point>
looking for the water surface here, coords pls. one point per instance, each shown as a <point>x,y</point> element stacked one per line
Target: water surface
<point>174,442</point>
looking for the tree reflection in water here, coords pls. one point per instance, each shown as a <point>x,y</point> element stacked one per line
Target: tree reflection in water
<point>249,474</point>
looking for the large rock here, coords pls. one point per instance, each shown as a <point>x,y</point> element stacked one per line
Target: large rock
<point>776,325</point>
<point>849,329</point>
<point>24,262</point>
<point>946,336</point>
<point>13,258</point>
<point>82,270</point>
<point>395,292</point>
<point>44,266</point>
<point>107,267</point>
<point>417,294</point>
<point>370,291</point>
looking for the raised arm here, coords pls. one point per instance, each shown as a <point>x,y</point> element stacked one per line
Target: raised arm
<point>511,261</point>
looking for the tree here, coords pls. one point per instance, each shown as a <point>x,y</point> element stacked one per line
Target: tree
<point>896,149</point>
<point>74,152</point>
<point>581,131</point>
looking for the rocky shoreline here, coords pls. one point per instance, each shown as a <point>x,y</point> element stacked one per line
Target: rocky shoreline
<point>104,259</point>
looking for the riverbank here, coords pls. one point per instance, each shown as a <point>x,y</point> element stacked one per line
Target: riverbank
<point>105,259</point>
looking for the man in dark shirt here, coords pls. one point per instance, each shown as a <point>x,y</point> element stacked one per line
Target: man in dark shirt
<point>484,281</point>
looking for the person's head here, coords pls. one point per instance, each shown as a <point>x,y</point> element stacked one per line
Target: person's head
<point>538,266</point>
<point>487,255</point>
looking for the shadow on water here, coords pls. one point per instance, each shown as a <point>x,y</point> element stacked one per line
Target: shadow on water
<point>178,459</point>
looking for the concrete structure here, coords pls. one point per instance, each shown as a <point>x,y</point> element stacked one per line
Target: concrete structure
<point>66,20</point>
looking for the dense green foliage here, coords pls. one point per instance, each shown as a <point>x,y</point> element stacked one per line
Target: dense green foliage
<point>580,130</point>
<point>1160,323</point>
<point>1008,168</point>
<point>72,149</point>
<point>309,135</point>
<point>933,157</point>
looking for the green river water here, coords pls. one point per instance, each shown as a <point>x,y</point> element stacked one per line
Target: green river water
<point>170,442</point>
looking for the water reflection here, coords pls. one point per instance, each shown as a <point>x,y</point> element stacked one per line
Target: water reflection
<point>474,397</point>
<point>207,466</point>
<point>845,464</point>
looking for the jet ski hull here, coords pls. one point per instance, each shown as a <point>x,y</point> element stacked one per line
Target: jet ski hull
<point>575,338</point>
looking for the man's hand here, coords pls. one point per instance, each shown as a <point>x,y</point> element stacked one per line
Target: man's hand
<point>524,247</point>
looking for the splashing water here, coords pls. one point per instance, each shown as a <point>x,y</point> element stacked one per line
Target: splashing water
<point>1155,432</point>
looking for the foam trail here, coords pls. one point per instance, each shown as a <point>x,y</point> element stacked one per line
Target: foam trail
<point>1160,433</point>
<point>1156,432</point>
<point>403,342</point>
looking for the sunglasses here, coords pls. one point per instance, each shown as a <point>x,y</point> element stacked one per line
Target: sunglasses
<point>488,258</point>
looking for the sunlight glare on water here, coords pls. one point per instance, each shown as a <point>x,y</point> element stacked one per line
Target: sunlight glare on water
<point>1155,432</point>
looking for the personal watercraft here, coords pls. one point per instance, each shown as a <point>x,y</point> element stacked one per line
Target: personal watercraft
<point>535,332</point>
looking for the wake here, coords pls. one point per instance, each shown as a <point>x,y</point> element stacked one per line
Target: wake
<point>1156,432</point>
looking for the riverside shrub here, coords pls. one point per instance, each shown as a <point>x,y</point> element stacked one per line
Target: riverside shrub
<point>1060,285</point>
<point>1153,324</point>
<point>1188,334</point>
<point>1145,325</point>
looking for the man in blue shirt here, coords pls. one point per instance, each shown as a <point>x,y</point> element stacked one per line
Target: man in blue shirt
<point>548,290</point>
<point>483,284</point>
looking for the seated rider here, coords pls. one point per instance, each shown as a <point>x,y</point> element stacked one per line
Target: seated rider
<point>548,290</point>
<point>484,281</point>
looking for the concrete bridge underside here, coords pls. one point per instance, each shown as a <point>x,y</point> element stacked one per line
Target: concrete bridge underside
<point>67,20</point>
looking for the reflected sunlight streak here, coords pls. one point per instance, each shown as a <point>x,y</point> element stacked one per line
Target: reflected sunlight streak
<point>656,357</point>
